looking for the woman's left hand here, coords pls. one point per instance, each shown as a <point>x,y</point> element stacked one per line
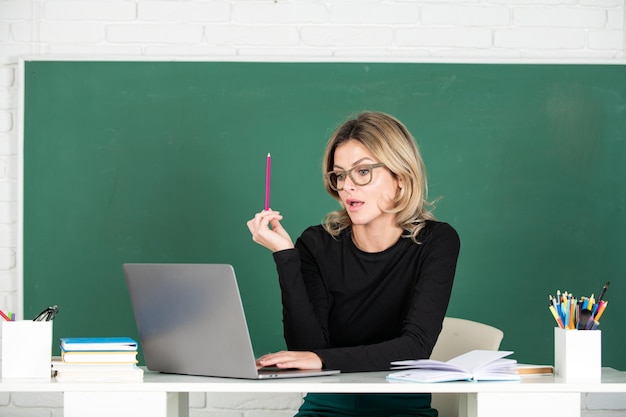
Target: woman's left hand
<point>290,359</point>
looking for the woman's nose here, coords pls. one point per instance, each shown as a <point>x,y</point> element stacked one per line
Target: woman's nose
<point>349,183</point>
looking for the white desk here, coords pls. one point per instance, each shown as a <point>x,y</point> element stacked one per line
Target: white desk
<point>162,395</point>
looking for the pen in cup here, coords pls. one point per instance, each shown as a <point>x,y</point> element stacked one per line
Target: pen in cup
<point>4,316</point>
<point>603,291</point>
<point>556,316</point>
<point>601,309</point>
<point>577,314</point>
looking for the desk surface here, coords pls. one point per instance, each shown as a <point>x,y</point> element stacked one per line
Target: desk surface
<point>366,382</point>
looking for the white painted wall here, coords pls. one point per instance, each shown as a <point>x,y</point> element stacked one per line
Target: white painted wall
<point>457,30</point>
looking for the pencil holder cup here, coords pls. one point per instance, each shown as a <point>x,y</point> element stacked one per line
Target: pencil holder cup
<point>577,353</point>
<point>26,349</point>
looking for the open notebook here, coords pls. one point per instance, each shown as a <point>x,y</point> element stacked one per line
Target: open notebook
<point>191,321</point>
<point>477,365</point>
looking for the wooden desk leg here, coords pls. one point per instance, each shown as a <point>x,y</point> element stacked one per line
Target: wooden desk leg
<point>126,404</point>
<point>521,404</point>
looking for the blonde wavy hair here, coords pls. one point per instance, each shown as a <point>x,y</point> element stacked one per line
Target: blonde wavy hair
<point>391,143</point>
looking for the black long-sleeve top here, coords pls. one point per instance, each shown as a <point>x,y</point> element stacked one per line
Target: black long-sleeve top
<point>359,311</point>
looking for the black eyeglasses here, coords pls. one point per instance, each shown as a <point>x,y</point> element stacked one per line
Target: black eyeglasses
<point>48,314</point>
<point>360,175</point>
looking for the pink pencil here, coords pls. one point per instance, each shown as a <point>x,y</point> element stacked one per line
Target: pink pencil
<point>267,181</point>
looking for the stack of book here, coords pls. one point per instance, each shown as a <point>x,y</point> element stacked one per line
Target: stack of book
<point>97,359</point>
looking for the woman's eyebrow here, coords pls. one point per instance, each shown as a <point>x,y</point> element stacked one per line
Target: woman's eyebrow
<point>355,163</point>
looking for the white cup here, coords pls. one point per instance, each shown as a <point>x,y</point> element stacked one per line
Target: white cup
<point>26,349</point>
<point>578,353</point>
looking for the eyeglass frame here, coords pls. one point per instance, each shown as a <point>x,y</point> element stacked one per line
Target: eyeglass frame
<point>47,314</point>
<point>348,173</point>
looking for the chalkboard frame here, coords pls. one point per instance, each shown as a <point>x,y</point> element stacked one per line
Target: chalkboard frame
<point>581,102</point>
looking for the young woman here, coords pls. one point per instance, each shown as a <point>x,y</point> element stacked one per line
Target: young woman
<point>373,283</point>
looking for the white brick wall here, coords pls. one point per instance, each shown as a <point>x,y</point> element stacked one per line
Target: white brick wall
<point>463,15</point>
<point>468,30</point>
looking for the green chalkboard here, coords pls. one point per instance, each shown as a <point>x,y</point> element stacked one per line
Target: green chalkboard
<point>165,162</point>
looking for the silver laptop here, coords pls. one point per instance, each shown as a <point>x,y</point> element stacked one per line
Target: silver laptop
<point>191,321</point>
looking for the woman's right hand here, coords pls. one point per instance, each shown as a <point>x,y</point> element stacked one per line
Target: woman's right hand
<point>290,359</point>
<point>267,231</point>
